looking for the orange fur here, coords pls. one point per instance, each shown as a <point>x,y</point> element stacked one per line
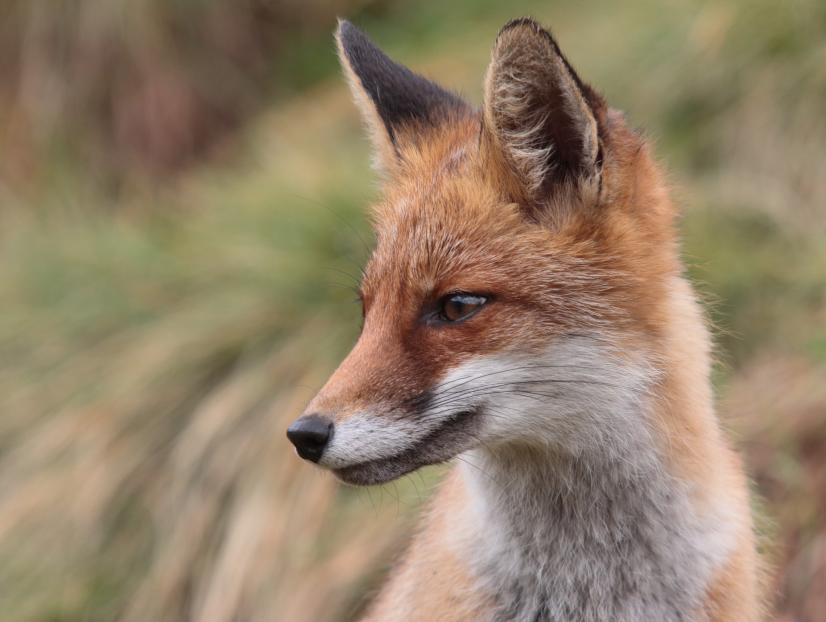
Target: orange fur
<point>600,254</point>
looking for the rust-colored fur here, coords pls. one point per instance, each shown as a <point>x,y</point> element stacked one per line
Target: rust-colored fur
<point>570,239</point>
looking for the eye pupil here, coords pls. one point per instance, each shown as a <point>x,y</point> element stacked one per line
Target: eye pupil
<point>456,307</point>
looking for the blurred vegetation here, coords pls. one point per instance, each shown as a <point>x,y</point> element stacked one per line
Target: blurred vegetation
<point>181,194</point>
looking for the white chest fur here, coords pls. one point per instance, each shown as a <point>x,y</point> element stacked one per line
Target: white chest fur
<point>577,541</point>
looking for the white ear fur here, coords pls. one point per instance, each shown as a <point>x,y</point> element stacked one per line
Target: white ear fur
<point>537,110</point>
<point>384,152</point>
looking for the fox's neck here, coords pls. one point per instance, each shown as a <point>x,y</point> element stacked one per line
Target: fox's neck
<point>602,531</point>
<point>565,538</point>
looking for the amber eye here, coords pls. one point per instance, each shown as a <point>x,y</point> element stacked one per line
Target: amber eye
<point>457,307</point>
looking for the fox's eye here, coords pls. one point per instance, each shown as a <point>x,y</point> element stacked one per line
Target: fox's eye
<point>457,307</point>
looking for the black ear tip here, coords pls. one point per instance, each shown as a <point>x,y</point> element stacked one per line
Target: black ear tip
<point>527,24</point>
<point>349,35</point>
<point>342,26</point>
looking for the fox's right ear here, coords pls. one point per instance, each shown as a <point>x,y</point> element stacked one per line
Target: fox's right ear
<point>397,104</point>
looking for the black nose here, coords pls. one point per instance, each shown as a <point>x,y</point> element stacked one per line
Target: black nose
<point>310,435</point>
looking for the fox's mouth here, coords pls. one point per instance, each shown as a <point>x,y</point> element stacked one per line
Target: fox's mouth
<point>449,439</point>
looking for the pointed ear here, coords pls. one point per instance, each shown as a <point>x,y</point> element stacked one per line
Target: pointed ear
<point>397,104</point>
<point>541,120</point>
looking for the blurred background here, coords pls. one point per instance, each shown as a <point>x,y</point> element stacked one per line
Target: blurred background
<point>182,186</point>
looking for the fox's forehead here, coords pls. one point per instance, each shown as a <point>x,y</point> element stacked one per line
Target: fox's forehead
<point>435,227</point>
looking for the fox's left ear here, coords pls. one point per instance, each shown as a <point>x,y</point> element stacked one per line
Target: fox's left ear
<point>542,123</point>
<point>397,104</point>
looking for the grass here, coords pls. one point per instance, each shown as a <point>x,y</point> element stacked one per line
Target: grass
<point>154,345</point>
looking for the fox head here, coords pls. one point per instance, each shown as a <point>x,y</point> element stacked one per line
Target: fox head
<point>520,253</point>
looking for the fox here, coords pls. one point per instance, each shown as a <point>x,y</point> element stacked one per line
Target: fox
<point>527,318</point>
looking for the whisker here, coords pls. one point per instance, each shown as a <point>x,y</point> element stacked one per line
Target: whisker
<point>461,381</point>
<point>461,458</point>
<point>452,397</point>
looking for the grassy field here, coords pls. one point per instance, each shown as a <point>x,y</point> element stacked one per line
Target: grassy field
<point>160,329</point>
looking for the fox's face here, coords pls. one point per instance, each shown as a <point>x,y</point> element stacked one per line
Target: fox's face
<point>517,247</point>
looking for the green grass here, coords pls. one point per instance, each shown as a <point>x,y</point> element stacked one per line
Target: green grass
<point>154,345</point>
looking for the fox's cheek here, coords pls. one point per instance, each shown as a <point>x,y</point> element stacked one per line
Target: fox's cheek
<point>546,396</point>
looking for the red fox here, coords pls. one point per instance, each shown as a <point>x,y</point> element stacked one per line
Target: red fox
<point>525,309</point>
